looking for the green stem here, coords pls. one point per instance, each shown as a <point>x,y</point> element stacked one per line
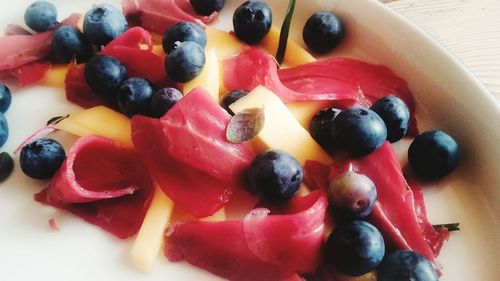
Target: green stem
<point>285,29</point>
<point>449,226</point>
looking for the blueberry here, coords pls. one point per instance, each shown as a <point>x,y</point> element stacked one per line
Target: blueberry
<point>252,21</point>
<point>321,126</point>
<point>433,154</point>
<point>395,114</point>
<point>42,158</point>
<point>322,32</point>
<point>355,248</point>
<point>163,100</point>
<point>41,16</point>
<point>134,96</point>
<point>183,32</point>
<point>105,74</point>
<point>406,266</point>
<point>69,43</point>
<point>207,7</point>
<point>352,194</point>
<point>6,166</point>
<point>104,23</point>
<point>359,131</point>
<point>275,175</point>
<point>230,98</point>
<point>5,98</point>
<point>185,62</point>
<point>4,130</point>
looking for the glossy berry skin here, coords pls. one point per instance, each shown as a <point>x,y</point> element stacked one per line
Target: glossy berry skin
<point>433,154</point>
<point>406,266</point>
<point>104,23</point>
<point>322,32</point>
<point>134,96</point>
<point>6,166</point>
<point>352,195</point>
<point>105,74</point>
<point>207,7</point>
<point>359,131</point>
<point>230,98</point>
<point>185,62</point>
<point>321,126</point>
<point>252,21</point>
<point>355,248</point>
<point>395,114</point>
<point>5,98</point>
<point>183,32</point>
<point>41,158</point>
<point>69,43</point>
<point>41,16</point>
<point>162,100</point>
<point>4,130</point>
<point>275,175</point>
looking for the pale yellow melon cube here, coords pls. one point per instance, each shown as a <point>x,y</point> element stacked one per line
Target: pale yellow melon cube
<point>55,76</point>
<point>208,78</point>
<point>294,55</point>
<point>304,111</point>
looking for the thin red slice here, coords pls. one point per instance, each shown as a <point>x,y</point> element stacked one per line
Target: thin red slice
<point>195,133</point>
<point>26,74</point>
<point>135,37</point>
<point>105,185</point>
<point>193,190</point>
<point>140,63</point>
<point>158,15</point>
<point>273,247</point>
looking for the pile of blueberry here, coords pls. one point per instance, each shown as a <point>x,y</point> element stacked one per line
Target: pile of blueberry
<point>6,162</point>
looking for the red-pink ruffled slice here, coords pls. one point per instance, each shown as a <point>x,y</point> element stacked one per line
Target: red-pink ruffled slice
<point>158,15</point>
<point>271,247</point>
<point>105,185</point>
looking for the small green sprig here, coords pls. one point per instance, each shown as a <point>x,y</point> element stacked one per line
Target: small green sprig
<point>285,30</point>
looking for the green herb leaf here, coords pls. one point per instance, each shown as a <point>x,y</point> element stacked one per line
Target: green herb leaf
<point>56,119</point>
<point>245,125</point>
<point>285,29</point>
<point>449,226</point>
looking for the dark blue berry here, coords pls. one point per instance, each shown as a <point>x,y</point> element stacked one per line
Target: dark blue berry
<point>134,96</point>
<point>41,158</point>
<point>275,175</point>
<point>322,32</point>
<point>252,21</point>
<point>6,166</point>
<point>69,43</point>
<point>433,154</point>
<point>183,32</point>
<point>207,7</point>
<point>230,98</point>
<point>163,100</point>
<point>352,195</point>
<point>359,131</point>
<point>185,62</point>
<point>406,266</point>
<point>104,23</point>
<point>4,130</point>
<point>105,74</point>
<point>355,248</point>
<point>395,114</point>
<point>5,98</point>
<point>41,16</point>
<point>321,127</point>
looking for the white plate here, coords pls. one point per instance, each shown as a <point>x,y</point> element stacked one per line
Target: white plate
<point>448,97</point>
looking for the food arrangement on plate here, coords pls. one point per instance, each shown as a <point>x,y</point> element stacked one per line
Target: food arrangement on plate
<point>237,152</point>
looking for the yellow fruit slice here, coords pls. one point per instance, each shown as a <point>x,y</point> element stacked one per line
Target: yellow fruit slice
<point>304,111</point>
<point>100,121</point>
<point>208,78</point>
<point>55,76</point>
<point>149,240</point>
<point>281,129</point>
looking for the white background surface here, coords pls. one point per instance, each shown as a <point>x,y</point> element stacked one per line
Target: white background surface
<point>30,250</point>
